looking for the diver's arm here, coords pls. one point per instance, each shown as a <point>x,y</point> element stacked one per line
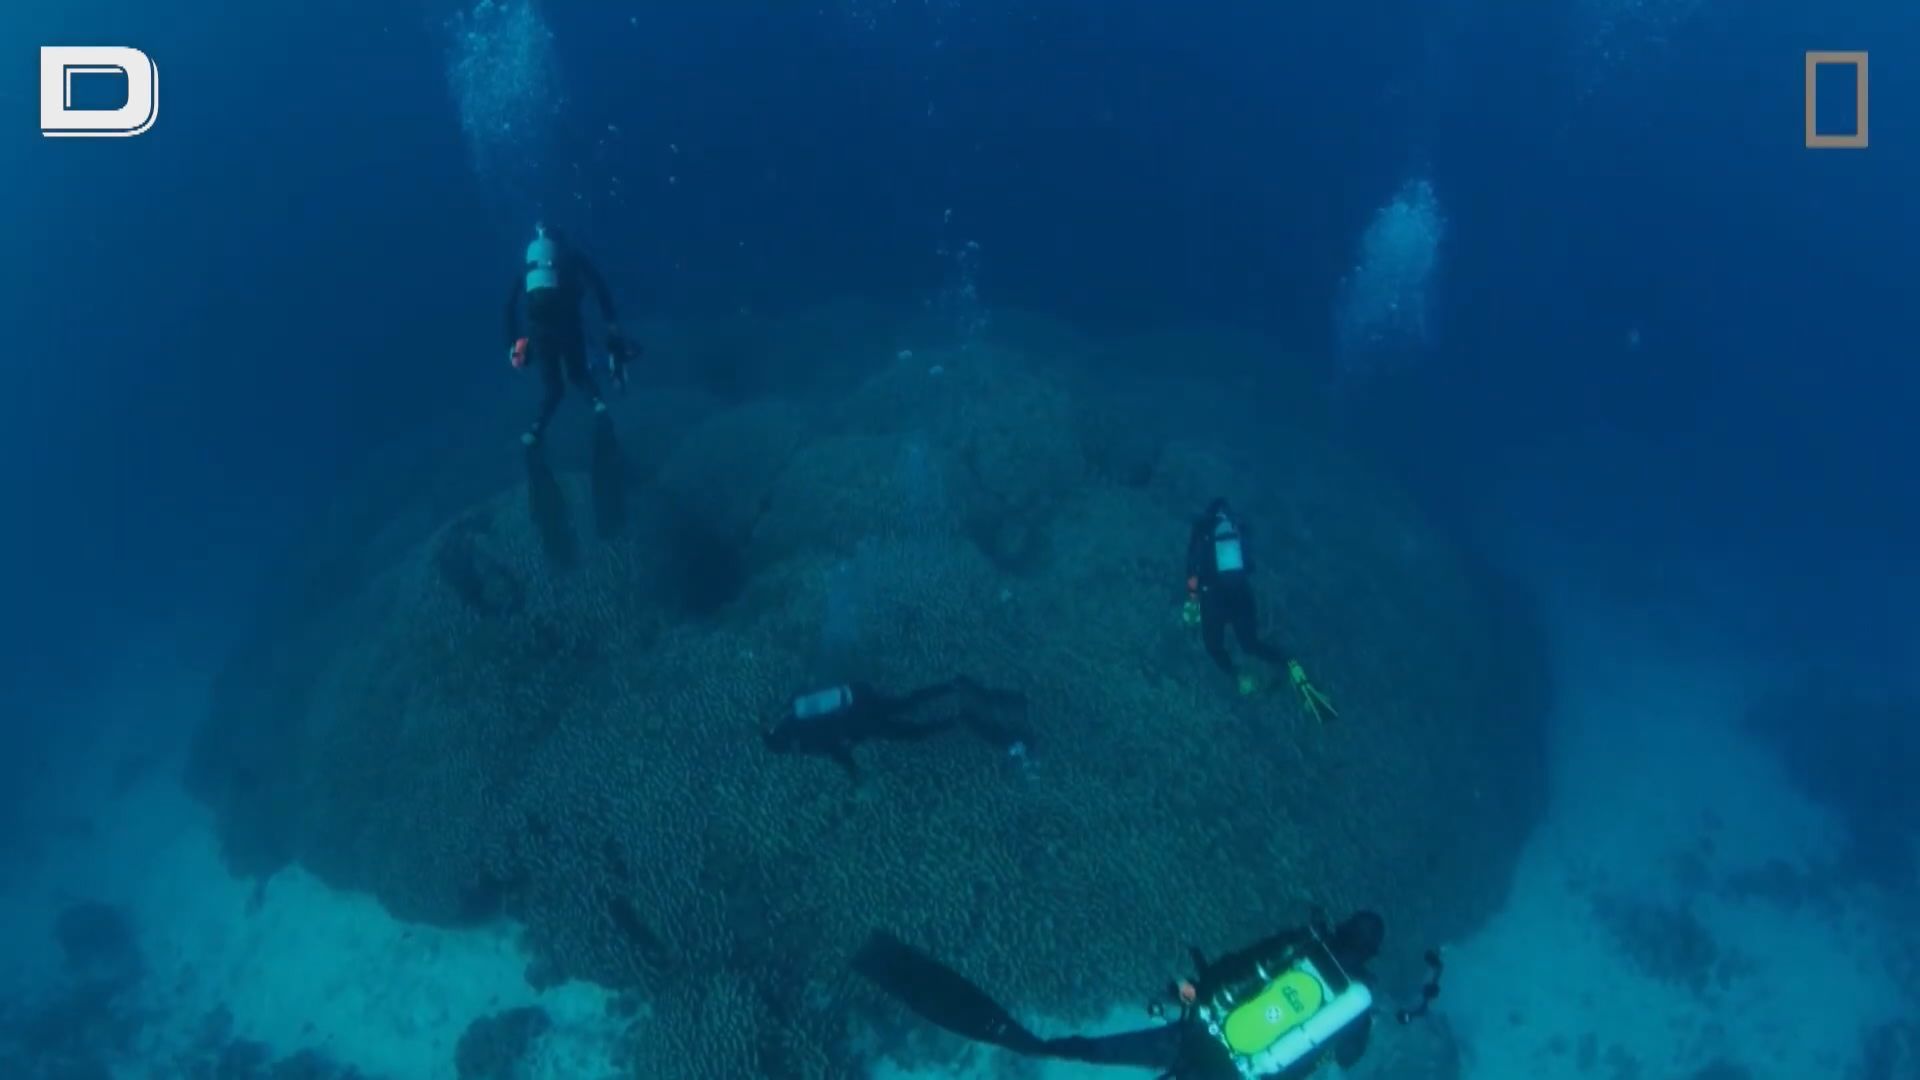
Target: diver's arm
<point>513,309</point>
<point>900,706</point>
<point>598,284</point>
<point>1196,549</point>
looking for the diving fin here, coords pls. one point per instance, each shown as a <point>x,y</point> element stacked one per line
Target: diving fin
<point>609,480</point>
<point>547,505</point>
<point>941,995</point>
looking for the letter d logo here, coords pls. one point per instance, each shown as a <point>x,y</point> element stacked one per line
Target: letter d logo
<point>58,66</point>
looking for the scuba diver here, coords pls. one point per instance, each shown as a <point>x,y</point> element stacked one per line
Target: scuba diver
<point>831,722</point>
<point>1219,572</point>
<point>1220,596</point>
<point>1275,1009</point>
<point>555,280</point>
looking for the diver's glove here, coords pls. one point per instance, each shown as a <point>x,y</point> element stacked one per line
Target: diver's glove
<point>1190,611</point>
<point>517,353</point>
<point>1311,698</point>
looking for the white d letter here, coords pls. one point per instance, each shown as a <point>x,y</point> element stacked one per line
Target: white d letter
<point>60,63</point>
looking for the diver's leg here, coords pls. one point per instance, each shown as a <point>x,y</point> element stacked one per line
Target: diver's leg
<point>914,699</point>
<point>996,734</point>
<point>577,373</point>
<point>556,388</point>
<point>894,730</point>
<point>1213,630</point>
<point>1246,630</point>
<point>982,698</point>
<point>998,699</point>
<point>961,684</point>
<point>1149,1048</point>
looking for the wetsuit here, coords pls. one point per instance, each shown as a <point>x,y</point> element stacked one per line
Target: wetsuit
<point>1225,592</point>
<point>1181,1048</point>
<point>831,722</point>
<point>556,338</point>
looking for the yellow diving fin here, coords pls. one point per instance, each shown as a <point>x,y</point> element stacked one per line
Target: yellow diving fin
<point>1315,702</point>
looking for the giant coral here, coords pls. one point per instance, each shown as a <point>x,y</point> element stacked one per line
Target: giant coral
<point>471,732</point>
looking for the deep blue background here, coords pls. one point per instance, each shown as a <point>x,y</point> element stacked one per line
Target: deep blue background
<point>207,323</point>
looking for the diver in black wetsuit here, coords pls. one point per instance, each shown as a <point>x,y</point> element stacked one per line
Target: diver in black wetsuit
<point>1218,571</point>
<point>554,282</point>
<point>831,722</point>
<point>1275,1009</point>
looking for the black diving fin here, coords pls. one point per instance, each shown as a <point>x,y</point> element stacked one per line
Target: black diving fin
<point>609,480</point>
<point>941,995</point>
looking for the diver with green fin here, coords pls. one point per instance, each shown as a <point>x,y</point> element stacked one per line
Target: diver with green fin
<point>1220,597</point>
<point>831,722</point>
<point>555,279</point>
<point>1275,1010</point>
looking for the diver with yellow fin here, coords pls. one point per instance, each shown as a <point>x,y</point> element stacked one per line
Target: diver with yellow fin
<point>1220,597</point>
<point>1272,1011</point>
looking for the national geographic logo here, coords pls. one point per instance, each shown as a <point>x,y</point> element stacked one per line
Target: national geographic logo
<point>1857,140</point>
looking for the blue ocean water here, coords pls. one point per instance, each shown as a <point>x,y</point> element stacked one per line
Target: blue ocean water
<point>1565,272</point>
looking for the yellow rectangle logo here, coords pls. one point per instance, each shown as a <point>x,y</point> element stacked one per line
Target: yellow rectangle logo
<point>1857,140</point>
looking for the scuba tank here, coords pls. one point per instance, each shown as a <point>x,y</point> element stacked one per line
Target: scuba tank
<point>822,703</point>
<point>543,261</point>
<point>1228,555</point>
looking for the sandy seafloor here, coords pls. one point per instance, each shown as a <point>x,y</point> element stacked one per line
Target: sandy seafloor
<point>1656,797</point>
